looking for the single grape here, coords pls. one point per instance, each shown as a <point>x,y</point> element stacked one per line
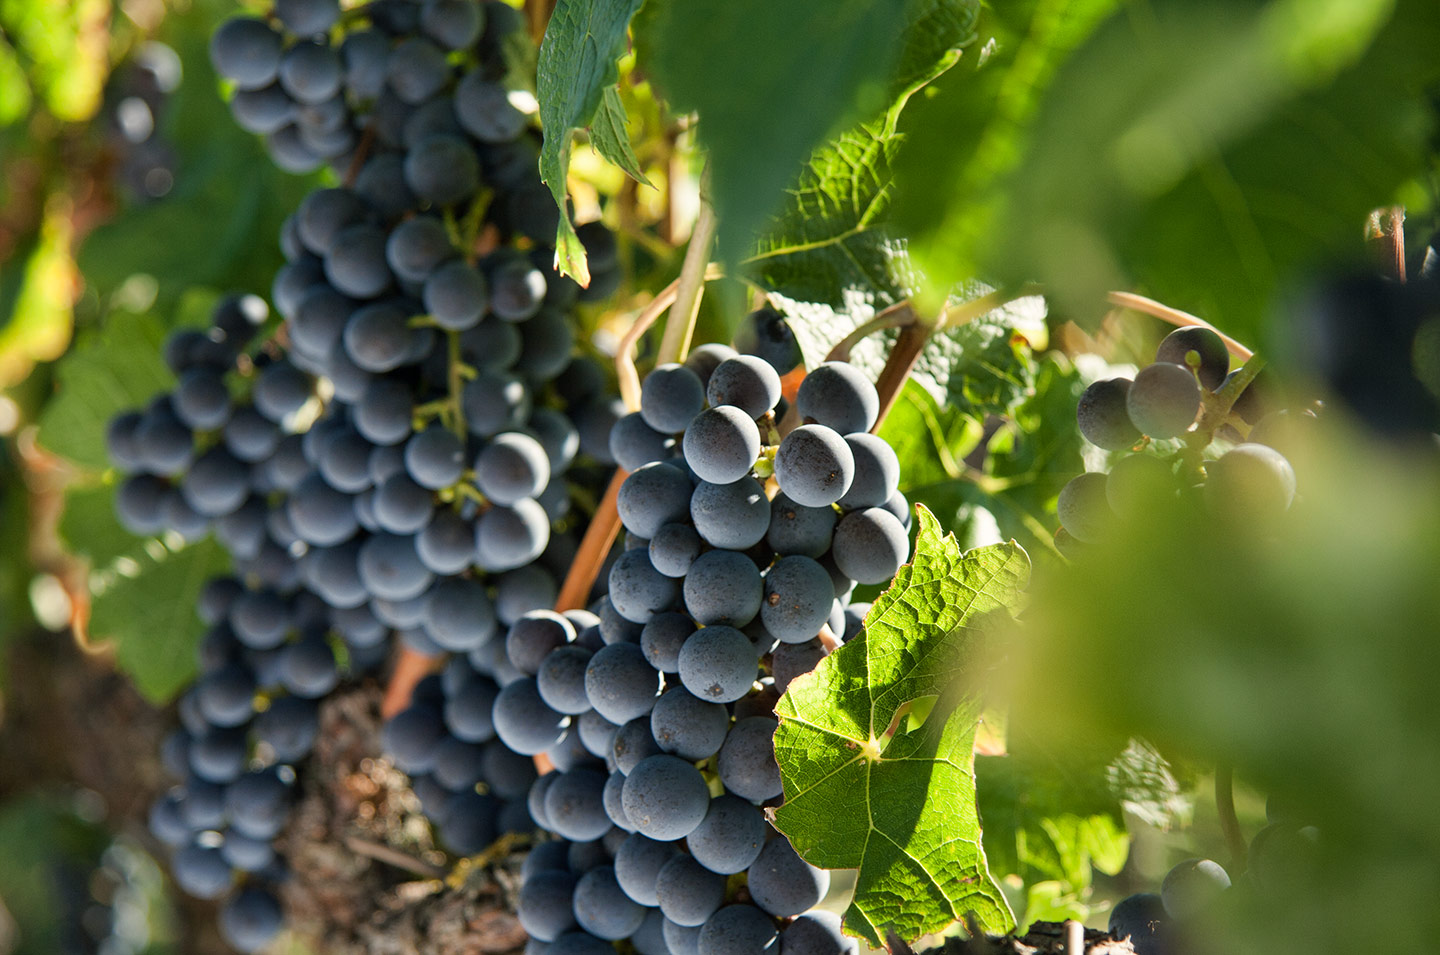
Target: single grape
<point>574,805</point>
<point>1140,918</point>
<point>747,760</point>
<point>817,933</point>
<point>484,110</point>
<point>1213,358</point>
<point>718,664</point>
<point>454,24</point>
<point>456,295</point>
<point>665,797</point>
<point>417,70</point>
<point>814,466</point>
<point>870,545</point>
<point>738,930</point>
<point>784,884</point>
<point>246,51</point>
<point>493,403</point>
<point>637,866</point>
<point>674,548</point>
<point>734,516</point>
<point>639,591</point>
<point>1163,400</point>
<point>838,395</point>
<point>511,537</point>
<point>545,906</point>
<point>311,72</point>
<point>251,919</point>
<point>721,444</point>
<point>378,337</point>
<point>877,471</point>
<point>1103,416</point>
<point>307,17</point>
<point>723,587</point>
<point>796,529</point>
<point>442,169</point>
<point>412,739</point>
<point>746,382</point>
<point>687,892</point>
<point>561,679</point>
<point>765,334</point>
<point>652,496</point>
<point>790,660</point>
<point>687,726</point>
<point>531,638</point>
<point>1251,482</point>
<point>704,359</point>
<point>1193,886</point>
<point>603,909</point>
<point>670,397</point>
<point>620,683</point>
<point>1084,507</point>
<point>730,837</point>
<point>633,743</point>
<point>511,467</point>
<point>798,598</point>
<point>662,638</point>
<point>523,720</point>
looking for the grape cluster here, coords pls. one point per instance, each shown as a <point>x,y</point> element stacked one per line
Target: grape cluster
<point>397,457</point>
<point>1243,478</point>
<point>657,696</point>
<point>266,660</point>
<point>1156,923</point>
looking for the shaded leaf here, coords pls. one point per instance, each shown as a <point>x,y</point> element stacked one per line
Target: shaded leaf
<point>150,614</point>
<point>1208,154</point>
<point>115,368</point>
<point>865,789</point>
<point>766,101</point>
<point>577,65</point>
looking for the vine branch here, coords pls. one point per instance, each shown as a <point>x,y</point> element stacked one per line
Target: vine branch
<point>628,377</point>
<point>1176,317</point>
<point>599,536</point>
<point>896,316</point>
<point>903,355</point>
<point>1225,810</point>
<point>1385,233</point>
<point>680,326</point>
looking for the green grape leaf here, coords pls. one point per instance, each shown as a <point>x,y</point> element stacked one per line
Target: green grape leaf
<point>89,527</point>
<point>146,606</point>
<point>1268,129</point>
<point>865,787</point>
<point>575,77</point>
<point>766,102</point>
<point>608,135</point>
<point>115,368</point>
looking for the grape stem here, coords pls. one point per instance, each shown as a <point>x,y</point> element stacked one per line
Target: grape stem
<point>680,326</point>
<point>1385,234</point>
<point>896,316</point>
<point>1176,317</point>
<point>628,377</point>
<point>903,355</point>
<point>599,536</point>
<point>1215,406</point>
<point>362,151</point>
<point>410,668</point>
<point>393,857</point>
<point>1225,810</point>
